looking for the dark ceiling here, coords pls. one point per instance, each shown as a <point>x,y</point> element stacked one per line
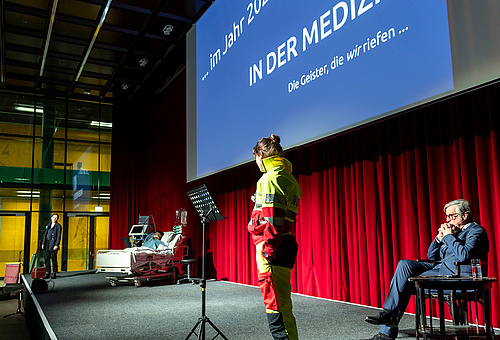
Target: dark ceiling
<point>94,49</point>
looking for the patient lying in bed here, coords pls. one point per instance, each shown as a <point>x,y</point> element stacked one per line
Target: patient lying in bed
<point>153,241</point>
<point>143,260</point>
<point>162,241</point>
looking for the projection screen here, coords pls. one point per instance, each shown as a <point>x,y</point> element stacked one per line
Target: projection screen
<point>306,70</point>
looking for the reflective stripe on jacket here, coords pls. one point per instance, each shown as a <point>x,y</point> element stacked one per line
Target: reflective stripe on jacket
<point>276,204</point>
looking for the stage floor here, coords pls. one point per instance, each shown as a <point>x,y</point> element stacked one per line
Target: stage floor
<point>86,306</point>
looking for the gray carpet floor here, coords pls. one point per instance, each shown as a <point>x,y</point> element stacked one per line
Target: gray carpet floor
<point>88,307</point>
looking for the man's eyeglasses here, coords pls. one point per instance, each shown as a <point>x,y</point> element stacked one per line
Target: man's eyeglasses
<point>451,216</point>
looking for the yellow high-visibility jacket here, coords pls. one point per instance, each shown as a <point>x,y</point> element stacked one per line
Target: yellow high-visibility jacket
<point>277,199</point>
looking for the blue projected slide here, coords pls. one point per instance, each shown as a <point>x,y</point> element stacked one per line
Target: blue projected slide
<point>306,69</point>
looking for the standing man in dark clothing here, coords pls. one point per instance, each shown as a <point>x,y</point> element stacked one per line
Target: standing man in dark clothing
<point>50,243</point>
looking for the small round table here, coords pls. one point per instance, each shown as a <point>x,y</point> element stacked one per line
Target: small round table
<point>464,285</point>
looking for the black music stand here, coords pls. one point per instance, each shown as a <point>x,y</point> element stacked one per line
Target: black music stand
<point>208,212</point>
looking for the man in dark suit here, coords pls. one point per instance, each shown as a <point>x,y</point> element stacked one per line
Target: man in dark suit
<point>458,240</point>
<point>50,243</point>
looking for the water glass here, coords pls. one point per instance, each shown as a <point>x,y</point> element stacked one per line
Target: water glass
<point>477,273</point>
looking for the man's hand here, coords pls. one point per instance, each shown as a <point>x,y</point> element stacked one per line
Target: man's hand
<point>445,229</point>
<point>55,248</point>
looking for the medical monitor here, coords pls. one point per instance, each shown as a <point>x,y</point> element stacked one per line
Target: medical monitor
<point>143,220</point>
<point>137,230</point>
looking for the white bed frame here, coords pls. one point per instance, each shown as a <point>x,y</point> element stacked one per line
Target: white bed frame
<point>140,263</point>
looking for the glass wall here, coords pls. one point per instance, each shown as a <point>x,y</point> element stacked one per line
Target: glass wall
<point>55,157</point>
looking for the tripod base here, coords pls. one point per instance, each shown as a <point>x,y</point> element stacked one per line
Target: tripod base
<point>18,312</point>
<point>201,333</point>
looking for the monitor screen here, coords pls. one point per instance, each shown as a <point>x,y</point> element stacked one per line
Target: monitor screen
<point>143,220</point>
<point>306,70</point>
<point>136,230</point>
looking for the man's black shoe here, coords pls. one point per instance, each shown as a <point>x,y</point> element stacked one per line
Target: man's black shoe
<point>46,276</point>
<point>384,318</point>
<point>381,336</point>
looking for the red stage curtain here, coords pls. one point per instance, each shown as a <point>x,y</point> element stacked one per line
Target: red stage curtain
<point>371,196</point>
<point>148,175</point>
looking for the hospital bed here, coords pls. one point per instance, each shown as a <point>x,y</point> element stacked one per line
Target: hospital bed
<point>142,263</point>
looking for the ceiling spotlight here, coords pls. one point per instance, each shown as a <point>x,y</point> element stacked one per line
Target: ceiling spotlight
<point>86,91</point>
<point>168,29</point>
<point>125,86</point>
<point>143,62</point>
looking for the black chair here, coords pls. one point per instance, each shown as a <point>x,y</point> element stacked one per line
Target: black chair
<point>459,302</point>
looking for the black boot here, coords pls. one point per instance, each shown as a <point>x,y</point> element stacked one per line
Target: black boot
<point>46,276</point>
<point>277,326</point>
<point>53,276</point>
